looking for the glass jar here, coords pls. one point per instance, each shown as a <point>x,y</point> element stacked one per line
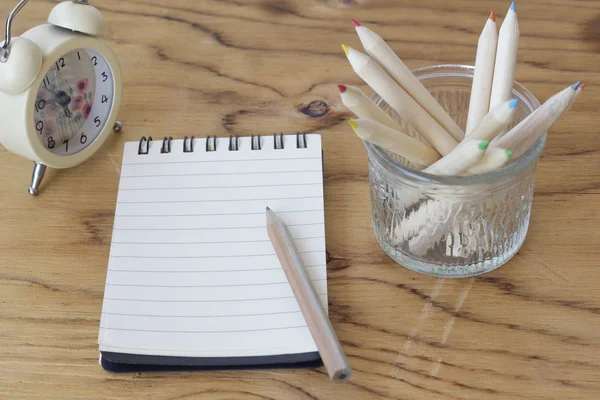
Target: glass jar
<point>451,226</point>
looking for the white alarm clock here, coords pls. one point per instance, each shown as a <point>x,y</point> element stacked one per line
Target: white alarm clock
<point>60,89</point>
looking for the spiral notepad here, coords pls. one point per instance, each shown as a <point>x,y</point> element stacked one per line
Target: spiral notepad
<point>193,280</point>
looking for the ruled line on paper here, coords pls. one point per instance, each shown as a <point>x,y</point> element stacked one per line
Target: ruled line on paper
<point>208,286</point>
<point>201,229</point>
<point>234,331</point>
<point>217,200</point>
<point>221,174</point>
<point>208,301</point>
<point>221,187</point>
<point>203,316</point>
<point>208,271</point>
<point>236,160</point>
<point>214,214</point>
<point>208,242</point>
<point>219,256</point>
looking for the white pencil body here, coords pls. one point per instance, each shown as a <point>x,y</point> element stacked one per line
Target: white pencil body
<point>493,159</point>
<point>363,107</point>
<point>394,141</point>
<point>463,157</point>
<point>527,132</point>
<point>400,101</point>
<point>379,51</point>
<point>479,104</point>
<point>496,121</point>
<point>506,59</point>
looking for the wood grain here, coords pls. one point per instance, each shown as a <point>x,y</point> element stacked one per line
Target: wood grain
<point>530,330</point>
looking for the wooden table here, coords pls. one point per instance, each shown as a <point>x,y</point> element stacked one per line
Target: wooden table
<point>530,329</point>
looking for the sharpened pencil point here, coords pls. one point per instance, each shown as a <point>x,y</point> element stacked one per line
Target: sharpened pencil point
<point>353,124</point>
<point>508,153</point>
<point>342,88</point>
<point>268,208</point>
<point>346,49</point>
<point>493,16</point>
<point>576,85</point>
<point>513,103</point>
<point>582,86</point>
<point>355,23</point>
<point>484,144</point>
<point>513,6</point>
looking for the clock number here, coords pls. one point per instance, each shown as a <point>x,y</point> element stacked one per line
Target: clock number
<point>95,60</point>
<point>67,143</point>
<point>83,138</point>
<point>97,122</point>
<point>46,81</point>
<point>40,105</point>
<point>104,77</point>
<point>60,64</point>
<point>51,142</point>
<point>104,99</point>
<point>39,126</point>
<point>78,56</point>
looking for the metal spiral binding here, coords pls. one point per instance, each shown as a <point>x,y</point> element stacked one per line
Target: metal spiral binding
<point>212,139</point>
<point>234,143</point>
<point>147,141</point>
<point>186,148</point>
<point>278,144</point>
<point>301,140</point>
<point>211,143</point>
<point>256,145</point>
<point>166,145</point>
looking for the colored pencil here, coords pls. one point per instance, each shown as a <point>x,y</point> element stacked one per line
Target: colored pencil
<point>380,52</point>
<point>506,58</point>
<point>460,159</point>
<point>527,132</point>
<point>481,88</point>
<point>495,122</point>
<point>363,107</point>
<point>316,318</point>
<point>394,141</point>
<point>493,159</point>
<point>400,101</point>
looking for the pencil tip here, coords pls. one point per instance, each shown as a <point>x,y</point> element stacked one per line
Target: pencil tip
<point>342,88</point>
<point>346,49</point>
<point>268,209</point>
<point>576,85</point>
<point>508,153</point>
<point>513,6</point>
<point>355,23</point>
<point>493,16</point>
<point>484,144</point>
<point>582,86</point>
<point>353,124</point>
<point>513,103</point>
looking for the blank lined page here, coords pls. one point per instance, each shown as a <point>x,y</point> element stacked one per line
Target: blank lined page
<point>192,272</point>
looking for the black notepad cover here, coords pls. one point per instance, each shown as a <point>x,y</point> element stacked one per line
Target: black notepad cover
<point>123,363</point>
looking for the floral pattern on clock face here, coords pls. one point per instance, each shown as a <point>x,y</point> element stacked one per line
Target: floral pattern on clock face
<point>73,102</point>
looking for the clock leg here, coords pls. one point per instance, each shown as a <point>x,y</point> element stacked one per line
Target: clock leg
<point>36,178</point>
<point>118,126</point>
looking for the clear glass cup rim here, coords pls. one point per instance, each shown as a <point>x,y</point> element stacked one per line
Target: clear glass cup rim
<point>512,169</point>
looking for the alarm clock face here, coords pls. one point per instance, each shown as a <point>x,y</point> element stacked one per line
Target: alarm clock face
<point>73,102</point>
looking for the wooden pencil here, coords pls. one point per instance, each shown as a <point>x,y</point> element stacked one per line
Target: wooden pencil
<point>462,158</point>
<point>527,132</point>
<point>400,101</point>
<point>493,159</point>
<point>495,122</point>
<point>394,141</point>
<point>329,347</point>
<point>363,107</point>
<point>481,89</point>
<point>383,54</point>
<point>506,58</point>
